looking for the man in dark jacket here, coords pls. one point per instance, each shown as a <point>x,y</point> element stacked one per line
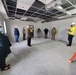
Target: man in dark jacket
<point>4,51</point>
<point>24,33</point>
<point>46,32</point>
<point>28,36</point>
<point>16,34</point>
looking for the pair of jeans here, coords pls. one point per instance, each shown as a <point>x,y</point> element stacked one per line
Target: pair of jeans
<point>16,38</point>
<point>70,39</point>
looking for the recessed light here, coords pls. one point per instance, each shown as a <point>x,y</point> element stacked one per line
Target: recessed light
<point>68,13</point>
<point>59,7</point>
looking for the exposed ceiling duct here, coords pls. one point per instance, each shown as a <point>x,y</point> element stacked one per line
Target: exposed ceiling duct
<point>38,10</point>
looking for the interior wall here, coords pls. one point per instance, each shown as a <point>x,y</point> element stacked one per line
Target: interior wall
<point>61,25</point>
<point>10,24</point>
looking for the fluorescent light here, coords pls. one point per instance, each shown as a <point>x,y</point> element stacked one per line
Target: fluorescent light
<point>59,7</point>
<point>68,13</point>
<point>23,18</point>
<point>5,30</point>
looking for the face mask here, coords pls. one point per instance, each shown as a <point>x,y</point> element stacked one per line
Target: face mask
<point>1,30</point>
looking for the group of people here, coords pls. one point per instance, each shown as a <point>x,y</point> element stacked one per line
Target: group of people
<point>17,34</point>
<point>39,33</point>
<point>71,33</point>
<point>29,34</point>
<point>53,33</point>
<point>5,43</point>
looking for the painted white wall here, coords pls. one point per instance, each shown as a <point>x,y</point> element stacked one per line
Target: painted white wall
<point>60,25</point>
<point>20,24</point>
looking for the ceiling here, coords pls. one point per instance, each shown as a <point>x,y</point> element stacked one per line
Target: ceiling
<point>39,10</point>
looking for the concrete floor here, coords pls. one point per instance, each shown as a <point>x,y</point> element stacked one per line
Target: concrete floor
<point>45,57</point>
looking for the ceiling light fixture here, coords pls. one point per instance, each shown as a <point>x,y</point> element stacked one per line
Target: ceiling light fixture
<point>68,13</point>
<point>23,18</point>
<point>59,7</point>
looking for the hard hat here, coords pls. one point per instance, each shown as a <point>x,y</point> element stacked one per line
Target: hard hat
<point>73,23</point>
<point>15,26</point>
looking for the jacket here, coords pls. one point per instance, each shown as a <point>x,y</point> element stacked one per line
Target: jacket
<point>4,46</point>
<point>24,31</point>
<point>53,31</point>
<point>72,31</point>
<point>16,31</point>
<point>28,33</point>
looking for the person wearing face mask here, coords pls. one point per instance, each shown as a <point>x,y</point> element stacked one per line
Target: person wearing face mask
<point>1,29</point>
<point>71,34</point>
<point>4,50</point>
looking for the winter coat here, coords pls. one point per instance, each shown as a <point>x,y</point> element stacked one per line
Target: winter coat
<point>24,31</point>
<point>53,31</point>
<point>46,31</point>
<point>16,32</point>
<point>4,46</point>
<point>28,33</point>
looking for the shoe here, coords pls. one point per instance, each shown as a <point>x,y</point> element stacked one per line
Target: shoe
<point>29,45</point>
<point>68,45</point>
<point>6,68</point>
<point>8,65</point>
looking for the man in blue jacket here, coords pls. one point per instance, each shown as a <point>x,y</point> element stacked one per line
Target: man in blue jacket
<point>16,34</point>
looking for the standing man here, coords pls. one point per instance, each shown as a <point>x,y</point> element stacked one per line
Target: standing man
<point>4,50</point>
<point>24,33</point>
<point>32,32</point>
<point>71,33</point>
<point>53,33</point>
<point>16,34</point>
<point>46,32</point>
<point>28,36</point>
<point>39,32</point>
